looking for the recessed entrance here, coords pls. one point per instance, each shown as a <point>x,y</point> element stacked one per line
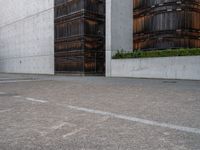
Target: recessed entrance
<point>80,36</point>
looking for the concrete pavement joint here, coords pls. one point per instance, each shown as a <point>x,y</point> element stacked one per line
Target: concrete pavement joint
<point>139,120</point>
<point>2,93</point>
<point>16,81</point>
<point>5,78</point>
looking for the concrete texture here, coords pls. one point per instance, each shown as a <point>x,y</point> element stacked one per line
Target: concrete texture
<point>167,68</point>
<point>27,36</point>
<point>119,28</point>
<point>27,123</point>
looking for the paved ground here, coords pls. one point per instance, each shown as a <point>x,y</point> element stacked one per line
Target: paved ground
<point>97,113</point>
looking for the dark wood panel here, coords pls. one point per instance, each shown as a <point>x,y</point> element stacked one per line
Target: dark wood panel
<point>80,36</point>
<point>162,24</point>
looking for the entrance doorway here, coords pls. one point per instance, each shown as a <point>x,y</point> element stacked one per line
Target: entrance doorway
<point>80,36</point>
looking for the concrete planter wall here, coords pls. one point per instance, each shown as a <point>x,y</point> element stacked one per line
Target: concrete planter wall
<point>165,67</point>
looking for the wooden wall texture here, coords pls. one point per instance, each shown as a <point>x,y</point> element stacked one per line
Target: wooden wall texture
<point>80,36</point>
<point>162,24</point>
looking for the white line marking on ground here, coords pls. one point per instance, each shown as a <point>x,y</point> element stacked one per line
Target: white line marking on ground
<point>59,126</point>
<point>17,96</point>
<point>1,93</point>
<point>73,132</point>
<point>36,100</point>
<point>6,110</point>
<point>133,119</point>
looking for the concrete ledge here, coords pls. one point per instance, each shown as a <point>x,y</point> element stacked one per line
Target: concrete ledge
<point>165,68</point>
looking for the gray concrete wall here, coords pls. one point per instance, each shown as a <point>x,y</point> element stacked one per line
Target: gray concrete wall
<point>27,36</point>
<point>166,68</point>
<point>119,28</point>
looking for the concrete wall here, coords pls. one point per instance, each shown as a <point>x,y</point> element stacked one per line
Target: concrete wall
<point>27,36</point>
<point>119,28</point>
<point>166,68</point>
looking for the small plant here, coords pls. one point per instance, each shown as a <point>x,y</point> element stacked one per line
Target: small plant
<point>121,54</point>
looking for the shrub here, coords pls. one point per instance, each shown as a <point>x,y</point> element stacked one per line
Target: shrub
<point>121,54</point>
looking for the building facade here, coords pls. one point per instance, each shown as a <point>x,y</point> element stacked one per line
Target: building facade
<point>81,36</point>
<point>27,36</point>
<point>162,24</point>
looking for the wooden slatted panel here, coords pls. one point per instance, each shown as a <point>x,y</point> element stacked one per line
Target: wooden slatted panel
<point>80,36</point>
<point>162,24</point>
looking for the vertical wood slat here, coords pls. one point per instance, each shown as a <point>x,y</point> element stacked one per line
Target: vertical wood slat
<point>162,24</point>
<point>79,36</point>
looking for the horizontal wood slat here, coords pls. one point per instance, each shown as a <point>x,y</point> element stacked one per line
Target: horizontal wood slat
<point>80,36</point>
<point>162,24</point>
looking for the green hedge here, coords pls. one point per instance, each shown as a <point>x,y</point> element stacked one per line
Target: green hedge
<point>157,53</point>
